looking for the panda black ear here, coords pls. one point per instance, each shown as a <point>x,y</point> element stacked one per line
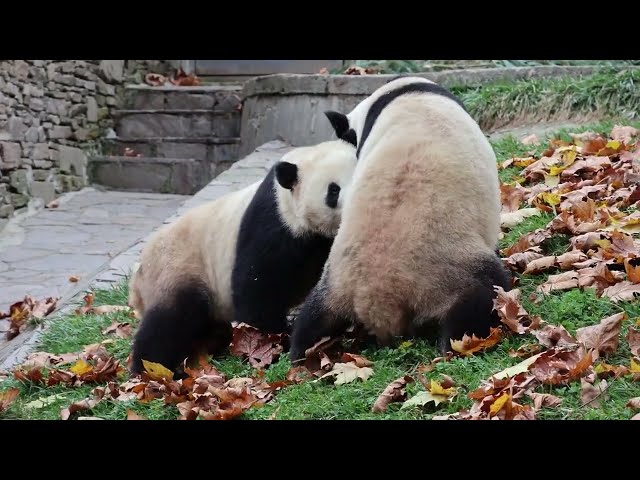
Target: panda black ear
<point>339,122</point>
<point>350,137</point>
<point>286,174</point>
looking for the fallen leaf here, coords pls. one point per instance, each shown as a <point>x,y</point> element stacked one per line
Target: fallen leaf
<point>511,219</point>
<point>131,415</point>
<point>74,278</point>
<point>470,345</point>
<point>591,395</point>
<point>499,404</point>
<point>359,360</point>
<point>624,134</point>
<point>541,400</point>
<point>634,403</point>
<point>8,397</point>
<point>81,367</point>
<point>42,402</point>
<point>540,265</point>
<point>633,337</point>
<point>261,349</point>
<point>53,204</point>
<point>561,365</point>
<point>48,360</point>
<point>567,260</point>
<point>348,372</point>
<point>106,309</point>
<point>519,260</point>
<point>394,392</point>
<point>121,329</point>
<point>86,404</point>
<point>156,371</point>
<point>604,337</point>
<point>526,351</point>
<point>512,313</point>
<point>422,398</point>
<point>530,140</point>
<point>518,368</point>
<point>604,370</point>
<point>562,281</point>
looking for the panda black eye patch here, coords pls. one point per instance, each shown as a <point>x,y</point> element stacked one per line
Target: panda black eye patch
<point>333,191</point>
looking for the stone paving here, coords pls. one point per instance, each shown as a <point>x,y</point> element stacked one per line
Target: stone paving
<point>39,253</point>
<point>82,236</point>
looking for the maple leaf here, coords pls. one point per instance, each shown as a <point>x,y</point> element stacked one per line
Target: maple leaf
<point>519,260</point>
<point>394,392</point>
<point>604,370</point>
<point>514,370</point>
<point>561,365</point>
<point>590,394</point>
<point>359,360</point>
<point>8,397</point>
<point>622,291</point>
<point>562,281</point>
<point>602,338</point>
<point>131,415</point>
<point>633,337</point>
<point>511,312</point>
<point>321,356</point>
<point>541,400</point>
<point>554,336</point>
<point>511,197</point>
<point>634,403</point>
<point>299,374</point>
<point>86,404</point>
<point>348,372</point>
<point>530,140</point>
<point>540,265</point>
<point>261,349</point>
<point>422,398</point>
<point>470,345</point>
<point>121,329</point>
<point>511,219</point>
<point>525,351</point>
<point>632,268</point>
<point>156,371</point>
<point>81,367</point>
<point>21,312</point>
<point>624,134</point>
<point>45,359</point>
<point>33,375</point>
<point>567,260</point>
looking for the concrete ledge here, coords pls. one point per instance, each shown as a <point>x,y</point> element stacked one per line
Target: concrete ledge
<point>242,173</point>
<point>142,174</point>
<point>292,106</point>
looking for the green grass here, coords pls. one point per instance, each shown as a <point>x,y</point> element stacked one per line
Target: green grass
<point>323,400</point>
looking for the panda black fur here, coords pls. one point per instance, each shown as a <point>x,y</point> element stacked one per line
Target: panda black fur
<point>420,226</point>
<point>249,256</point>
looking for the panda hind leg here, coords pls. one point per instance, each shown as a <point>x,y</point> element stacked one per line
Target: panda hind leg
<point>168,334</point>
<point>473,313</point>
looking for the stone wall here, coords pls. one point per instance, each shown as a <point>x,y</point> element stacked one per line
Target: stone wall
<point>53,112</point>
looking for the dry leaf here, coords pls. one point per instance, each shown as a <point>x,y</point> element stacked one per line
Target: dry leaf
<point>634,403</point>
<point>591,395</point>
<point>511,219</point>
<point>348,372</point>
<point>633,337</point>
<point>121,329</point>
<point>74,278</point>
<point>394,392</point>
<point>541,400</point>
<point>470,345</point>
<point>156,371</point>
<point>131,415</point>
<point>8,397</point>
<point>554,336</point>
<point>261,349</point>
<point>603,338</point>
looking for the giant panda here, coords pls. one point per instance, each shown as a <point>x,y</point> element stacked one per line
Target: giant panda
<point>416,248</point>
<point>249,256</point>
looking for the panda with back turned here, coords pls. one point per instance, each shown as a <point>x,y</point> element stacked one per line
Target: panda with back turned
<point>420,227</point>
<point>248,256</point>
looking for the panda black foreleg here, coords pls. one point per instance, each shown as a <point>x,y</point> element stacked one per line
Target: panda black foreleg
<point>314,322</point>
<point>169,333</point>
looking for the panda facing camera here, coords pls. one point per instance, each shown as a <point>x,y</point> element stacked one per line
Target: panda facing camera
<point>248,256</point>
<point>420,227</point>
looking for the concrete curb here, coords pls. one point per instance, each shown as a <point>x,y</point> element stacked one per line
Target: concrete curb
<point>245,171</point>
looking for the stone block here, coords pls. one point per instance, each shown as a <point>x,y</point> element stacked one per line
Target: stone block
<point>197,151</point>
<point>10,154</point>
<point>44,190</point>
<point>189,101</point>
<point>61,131</point>
<point>20,180</point>
<point>72,160</point>
<point>112,70</point>
<point>226,125</point>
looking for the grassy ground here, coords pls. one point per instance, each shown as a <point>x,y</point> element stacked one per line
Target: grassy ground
<point>319,400</point>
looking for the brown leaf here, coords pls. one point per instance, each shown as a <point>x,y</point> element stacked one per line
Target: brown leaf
<point>562,281</point>
<point>540,265</point>
<point>155,79</point>
<point>74,278</point>
<point>527,241</point>
<point>632,268</point>
<point>48,360</point>
<point>633,337</point>
<point>348,372</point>
<point>567,260</point>
<point>561,366</point>
<point>8,397</point>
<point>512,313</point>
<point>591,395</point>
<point>299,374</point>
<point>530,140</point>
<point>525,351</point>
<point>21,312</point>
<point>470,345</point>
<point>604,370</point>
<point>394,392</point>
<point>121,329</point>
<point>554,336</point>
<point>261,349</point>
<point>624,134</point>
<point>33,375</point>
<point>359,360</point>
<point>603,338</point>
<point>634,403</point>
<point>512,197</point>
<point>86,404</point>
<point>131,415</point>
<point>541,400</point>
<point>519,260</point>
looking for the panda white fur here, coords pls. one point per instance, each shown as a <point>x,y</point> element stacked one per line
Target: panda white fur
<point>249,256</point>
<point>420,224</point>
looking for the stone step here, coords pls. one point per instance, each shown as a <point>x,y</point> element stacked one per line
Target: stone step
<point>222,98</point>
<point>180,176</point>
<point>177,123</point>
<point>214,150</point>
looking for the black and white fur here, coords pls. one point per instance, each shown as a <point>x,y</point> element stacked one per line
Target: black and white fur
<point>420,226</point>
<point>249,256</point>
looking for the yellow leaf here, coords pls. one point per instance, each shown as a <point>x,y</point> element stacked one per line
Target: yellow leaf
<point>569,156</point>
<point>499,403</point>
<point>81,367</point>
<point>436,389</point>
<point>551,181</point>
<point>422,398</point>
<point>157,371</point>
<point>523,162</point>
<point>550,198</point>
<point>348,372</point>
<point>635,366</point>
<point>615,144</point>
<point>638,322</point>
<point>555,171</point>
<point>406,344</point>
<point>603,243</point>
<point>521,367</point>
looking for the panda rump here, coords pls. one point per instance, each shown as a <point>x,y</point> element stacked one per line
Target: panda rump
<point>420,225</point>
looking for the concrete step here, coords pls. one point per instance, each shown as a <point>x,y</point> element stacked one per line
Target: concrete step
<point>221,98</point>
<point>177,123</point>
<point>148,174</point>
<point>213,150</point>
